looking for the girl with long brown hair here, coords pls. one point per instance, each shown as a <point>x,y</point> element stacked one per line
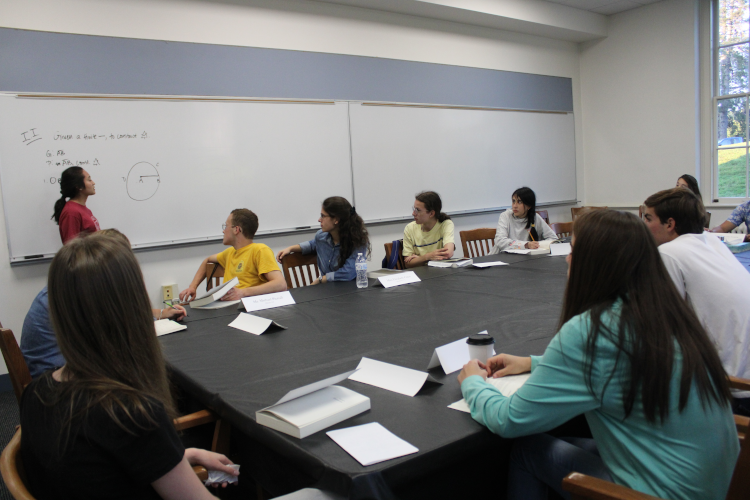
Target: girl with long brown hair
<point>101,426</point>
<point>630,355</point>
<point>430,236</point>
<point>341,237</point>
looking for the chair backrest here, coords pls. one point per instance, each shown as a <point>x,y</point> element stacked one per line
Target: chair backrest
<point>577,211</point>
<point>300,270</point>
<point>562,229</point>
<point>708,218</point>
<point>216,273</point>
<point>18,371</point>
<point>11,468</point>
<point>477,242</point>
<point>544,215</point>
<point>389,248</point>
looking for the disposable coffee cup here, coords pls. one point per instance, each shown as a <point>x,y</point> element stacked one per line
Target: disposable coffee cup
<point>481,347</point>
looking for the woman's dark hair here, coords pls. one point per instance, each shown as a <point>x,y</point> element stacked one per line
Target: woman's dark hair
<point>71,181</point>
<point>528,198</point>
<point>352,230</point>
<point>113,361</point>
<point>431,202</point>
<point>692,184</point>
<point>615,258</point>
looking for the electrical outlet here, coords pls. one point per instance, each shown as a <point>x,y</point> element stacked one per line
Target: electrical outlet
<point>169,292</point>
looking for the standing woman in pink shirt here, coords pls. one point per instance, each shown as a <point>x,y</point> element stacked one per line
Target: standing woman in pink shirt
<point>72,216</point>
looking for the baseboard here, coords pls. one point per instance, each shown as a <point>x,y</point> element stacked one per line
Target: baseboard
<point>5,384</point>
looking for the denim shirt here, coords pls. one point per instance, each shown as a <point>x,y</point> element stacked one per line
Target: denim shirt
<point>328,257</point>
<point>741,214</point>
<point>38,342</point>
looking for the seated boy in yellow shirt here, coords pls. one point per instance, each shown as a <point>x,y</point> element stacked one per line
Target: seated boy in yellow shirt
<point>252,263</point>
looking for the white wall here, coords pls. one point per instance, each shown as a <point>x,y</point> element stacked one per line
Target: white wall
<point>282,24</point>
<point>639,98</point>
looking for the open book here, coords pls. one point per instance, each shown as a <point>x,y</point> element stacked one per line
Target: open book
<point>314,407</point>
<point>457,262</point>
<point>215,294</point>
<point>165,326</point>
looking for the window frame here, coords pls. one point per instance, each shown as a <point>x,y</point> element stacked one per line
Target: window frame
<point>715,98</point>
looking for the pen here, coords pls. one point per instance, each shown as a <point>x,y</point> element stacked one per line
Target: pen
<point>532,236</point>
<point>170,304</point>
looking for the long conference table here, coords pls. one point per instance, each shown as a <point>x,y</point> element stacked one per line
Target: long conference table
<point>329,329</point>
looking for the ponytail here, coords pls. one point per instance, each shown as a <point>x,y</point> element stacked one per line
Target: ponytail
<point>352,230</point>
<point>432,202</point>
<point>71,182</point>
<point>528,198</point>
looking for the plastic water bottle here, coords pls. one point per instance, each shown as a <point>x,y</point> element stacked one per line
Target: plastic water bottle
<point>361,267</point>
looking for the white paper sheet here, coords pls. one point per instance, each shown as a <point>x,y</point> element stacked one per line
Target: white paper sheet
<point>452,357</point>
<point>310,388</point>
<point>389,377</point>
<point>371,443</point>
<point>729,238</point>
<point>559,249</point>
<point>267,301</point>
<point>506,385</point>
<point>399,279</point>
<point>490,264</point>
<point>252,324</point>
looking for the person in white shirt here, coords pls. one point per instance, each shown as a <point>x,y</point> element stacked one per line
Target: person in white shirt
<point>521,227</point>
<point>708,275</point>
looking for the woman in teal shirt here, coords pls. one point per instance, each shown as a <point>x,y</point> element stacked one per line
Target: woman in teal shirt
<point>631,356</point>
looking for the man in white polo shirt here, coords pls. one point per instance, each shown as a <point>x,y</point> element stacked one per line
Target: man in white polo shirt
<point>706,273</point>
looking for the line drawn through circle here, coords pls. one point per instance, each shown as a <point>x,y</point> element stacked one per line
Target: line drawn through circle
<point>143,181</point>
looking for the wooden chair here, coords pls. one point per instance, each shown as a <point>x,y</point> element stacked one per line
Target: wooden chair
<point>389,248</point>
<point>562,229</point>
<point>214,275</point>
<point>18,371</point>
<point>577,211</point>
<point>477,242</point>
<point>14,476</point>
<point>544,215</point>
<point>302,269</point>
<point>583,487</point>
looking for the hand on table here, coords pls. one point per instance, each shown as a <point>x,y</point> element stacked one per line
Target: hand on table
<point>531,245</point>
<point>505,364</point>
<point>473,367</point>
<point>211,461</point>
<point>440,254</point>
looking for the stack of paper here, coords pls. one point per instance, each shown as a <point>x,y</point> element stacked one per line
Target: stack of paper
<point>506,385</point>
<point>454,263</point>
<point>165,326</point>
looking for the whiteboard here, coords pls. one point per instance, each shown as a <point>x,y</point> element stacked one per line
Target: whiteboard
<point>474,159</point>
<point>169,171</point>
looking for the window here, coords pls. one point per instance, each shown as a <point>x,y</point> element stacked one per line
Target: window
<point>731,55</point>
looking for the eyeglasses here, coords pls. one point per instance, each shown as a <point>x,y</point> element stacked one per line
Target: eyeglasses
<point>324,216</point>
<point>224,227</point>
<point>415,210</point>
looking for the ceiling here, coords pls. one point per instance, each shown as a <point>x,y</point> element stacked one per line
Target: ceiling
<point>605,7</point>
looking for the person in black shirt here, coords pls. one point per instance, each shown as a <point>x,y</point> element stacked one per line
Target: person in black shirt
<point>101,426</point>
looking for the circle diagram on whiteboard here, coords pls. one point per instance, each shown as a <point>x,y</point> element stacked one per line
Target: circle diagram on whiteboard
<point>143,181</point>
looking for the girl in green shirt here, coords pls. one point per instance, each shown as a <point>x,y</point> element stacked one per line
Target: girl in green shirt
<point>632,356</point>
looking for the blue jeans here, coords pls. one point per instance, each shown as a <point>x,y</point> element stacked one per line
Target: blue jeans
<point>541,461</point>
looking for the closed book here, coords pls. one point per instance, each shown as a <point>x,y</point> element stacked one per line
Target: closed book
<point>313,412</point>
<point>165,326</point>
<point>215,293</point>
